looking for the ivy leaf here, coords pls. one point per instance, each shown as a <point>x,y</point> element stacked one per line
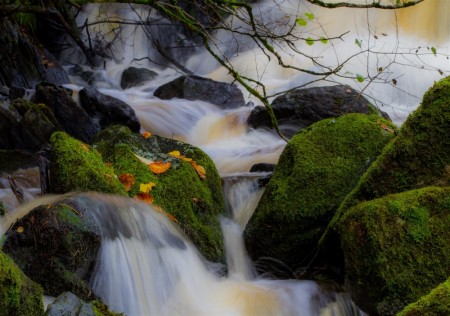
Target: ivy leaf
<point>358,43</point>
<point>323,40</point>
<point>310,16</point>
<point>309,41</point>
<point>359,78</point>
<point>301,22</point>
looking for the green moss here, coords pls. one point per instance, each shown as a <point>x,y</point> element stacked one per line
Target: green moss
<point>101,309</point>
<point>318,167</point>
<point>77,167</point>
<point>436,303</point>
<point>18,294</point>
<point>419,156</point>
<point>396,248</point>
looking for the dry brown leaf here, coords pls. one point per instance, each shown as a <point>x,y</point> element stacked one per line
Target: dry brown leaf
<point>85,147</point>
<point>159,167</point>
<point>145,197</point>
<point>127,180</point>
<point>170,216</point>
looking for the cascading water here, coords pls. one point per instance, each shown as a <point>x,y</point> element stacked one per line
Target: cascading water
<point>146,266</point>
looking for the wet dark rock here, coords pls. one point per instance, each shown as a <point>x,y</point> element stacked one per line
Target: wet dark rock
<point>108,110</point>
<point>68,303</point>
<point>73,118</point>
<point>263,167</point>
<point>133,76</point>
<point>300,108</point>
<point>224,95</point>
<point>24,62</point>
<point>55,245</point>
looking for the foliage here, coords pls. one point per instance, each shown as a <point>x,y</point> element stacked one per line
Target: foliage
<point>396,248</point>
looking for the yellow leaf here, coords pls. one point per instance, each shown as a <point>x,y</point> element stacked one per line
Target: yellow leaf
<point>20,229</point>
<point>200,170</point>
<point>146,187</point>
<point>175,153</point>
<point>159,167</point>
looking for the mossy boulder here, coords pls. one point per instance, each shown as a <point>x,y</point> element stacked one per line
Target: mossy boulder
<point>75,166</point>
<point>317,169</point>
<point>418,157</point>
<point>18,294</point>
<point>55,245</point>
<point>435,303</point>
<point>396,248</point>
<point>195,203</point>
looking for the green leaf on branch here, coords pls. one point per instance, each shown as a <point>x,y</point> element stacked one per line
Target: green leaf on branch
<point>358,43</point>
<point>301,22</point>
<point>433,50</point>
<point>323,40</point>
<point>309,41</point>
<point>310,16</point>
<point>359,78</point>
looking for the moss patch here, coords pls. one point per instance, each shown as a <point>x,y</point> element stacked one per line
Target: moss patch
<point>396,248</point>
<point>317,169</point>
<point>78,167</point>
<point>18,294</point>
<point>437,302</point>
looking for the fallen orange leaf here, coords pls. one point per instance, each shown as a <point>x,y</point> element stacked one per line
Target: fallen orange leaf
<point>85,147</point>
<point>170,216</point>
<point>159,166</point>
<point>145,197</point>
<point>146,134</point>
<point>200,170</point>
<point>127,180</point>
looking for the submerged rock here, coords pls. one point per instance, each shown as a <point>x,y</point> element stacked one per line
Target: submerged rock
<point>55,245</point>
<point>396,248</point>
<point>316,170</point>
<point>437,302</point>
<point>18,294</point>
<point>224,95</point>
<point>300,108</point>
<point>190,198</point>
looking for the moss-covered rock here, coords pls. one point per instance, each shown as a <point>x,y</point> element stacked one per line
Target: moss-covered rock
<point>195,203</point>
<point>396,248</point>
<point>436,303</point>
<point>418,157</point>
<point>76,166</point>
<point>55,245</point>
<point>317,169</point>
<point>18,294</point>
<point>69,304</point>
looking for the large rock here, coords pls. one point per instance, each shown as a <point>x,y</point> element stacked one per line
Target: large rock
<point>55,245</point>
<point>68,304</point>
<point>193,200</point>
<point>418,157</point>
<point>133,76</point>
<point>25,63</point>
<point>18,294</point>
<point>224,95</point>
<point>437,302</point>
<point>72,117</point>
<point>76,166</point>
<point>396,248</point>
<point>108,110</point>
<point>317,169</point>
<point>300,108</point>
